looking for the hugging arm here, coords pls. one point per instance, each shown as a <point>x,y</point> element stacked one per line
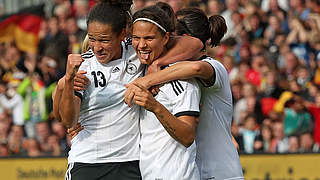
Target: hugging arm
<point>180,48</point>
<point>181,70</point>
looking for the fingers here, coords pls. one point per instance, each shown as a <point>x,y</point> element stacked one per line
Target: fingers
<point>141,88</point>
<point>80,81</point>
<point>130,93</point>
<point>129,98</point>
<point>155,90</point>
<point>73,131</point>
<point>82,72</point>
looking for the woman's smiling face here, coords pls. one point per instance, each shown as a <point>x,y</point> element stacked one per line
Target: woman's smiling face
<point>148,41</point>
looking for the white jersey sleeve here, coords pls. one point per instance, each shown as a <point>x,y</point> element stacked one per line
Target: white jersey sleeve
<point>185,96</point>
<point>219,78</point>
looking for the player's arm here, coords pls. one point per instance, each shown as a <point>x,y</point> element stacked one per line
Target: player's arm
<point>69,106</point>
<point>180,48</point>
<point>181,70</point>
<point>56,97</point>
<point>181,128</point>
<point>80,83</point>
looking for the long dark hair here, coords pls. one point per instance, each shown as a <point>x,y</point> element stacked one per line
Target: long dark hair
<point>194,22</point>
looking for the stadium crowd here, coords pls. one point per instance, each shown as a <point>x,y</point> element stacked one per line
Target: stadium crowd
<point>271,51</point>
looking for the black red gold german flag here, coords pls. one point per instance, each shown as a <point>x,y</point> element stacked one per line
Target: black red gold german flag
<point>23,28</point>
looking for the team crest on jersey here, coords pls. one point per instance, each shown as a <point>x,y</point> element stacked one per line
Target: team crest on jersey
<point>131,69</point>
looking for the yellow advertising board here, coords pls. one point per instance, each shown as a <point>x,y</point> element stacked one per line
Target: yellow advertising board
<point>255,167</point>
<point>281,167</point>
<point>33,168</point>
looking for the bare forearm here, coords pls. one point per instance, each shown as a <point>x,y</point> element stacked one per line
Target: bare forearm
<point>181,131</point>
<point>182,70</point>
<point>183,48</point>
<point>56,96</point>
<point>67,104</point>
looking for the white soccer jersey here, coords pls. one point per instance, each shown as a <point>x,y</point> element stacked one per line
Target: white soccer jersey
<point>217,157</point>
<point>111,128</point>
<point>161,156</point>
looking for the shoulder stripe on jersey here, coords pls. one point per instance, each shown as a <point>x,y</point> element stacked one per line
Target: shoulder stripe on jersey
<point>87,53</point>
<point>188,113</point>
<point>174,89</point>
<point>87,56</point>
<point>76,93</point>
<point>177,87</point>
<point>179,84</point>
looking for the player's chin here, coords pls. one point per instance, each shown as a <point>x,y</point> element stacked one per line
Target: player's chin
<point>104,59</point>
<point>143,61</point>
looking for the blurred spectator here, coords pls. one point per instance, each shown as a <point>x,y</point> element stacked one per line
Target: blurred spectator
<point>62,12</point>
<point>43,134</point>
<point>314,109</point>
<point>4,129</point>
<point>298,9</point>
<point>4,150</point>
<point>15,140</point>
<point>34,94</point>
<point>55,41</point>
<point>214,7</point>
<point>60,131</point>
<point>307,144</point>
<point>53,146</point>
<point>296,118</point>
<point>248,134</point>
<point>279,143</point>
<point>32,147</point>
<point>291,65</point>
<point>76,35</point>
<point>293,142</point>
<point>248,104</point>
<point>232,6</point>
<point>256,27</point>
<point>11,100</point>
<point>270,88</point>
<point>262,143</point>
<point>81,8</point>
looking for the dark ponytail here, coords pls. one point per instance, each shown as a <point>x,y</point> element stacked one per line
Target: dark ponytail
<point>194,21</point>
<point>218,28</point>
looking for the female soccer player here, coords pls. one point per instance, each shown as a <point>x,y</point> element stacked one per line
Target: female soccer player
<point>168,120</point>
<point>108,145</point>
